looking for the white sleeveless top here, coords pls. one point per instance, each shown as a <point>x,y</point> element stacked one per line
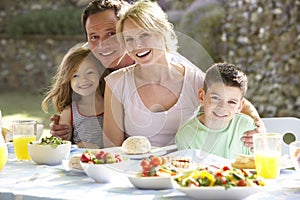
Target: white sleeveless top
<point>86,128</point>
<point>159,127</point>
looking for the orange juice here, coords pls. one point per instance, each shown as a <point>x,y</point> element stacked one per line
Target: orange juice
<point>21,146</point>
<point>3,155</point>
<point>267,165</point>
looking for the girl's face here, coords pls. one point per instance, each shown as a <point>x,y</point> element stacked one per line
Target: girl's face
<point>220,104</point>
<point>145,47</point>
<point>85,80</point>
<point>101,33</point>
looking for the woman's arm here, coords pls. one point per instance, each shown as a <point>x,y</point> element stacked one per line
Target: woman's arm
<point>113,126</point>
<point>250,110</point>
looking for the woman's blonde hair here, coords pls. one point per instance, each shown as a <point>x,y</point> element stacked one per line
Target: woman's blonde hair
<point>149,16</point>
<point>61,92</point>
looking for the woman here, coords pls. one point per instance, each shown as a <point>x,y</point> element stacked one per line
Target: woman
<point>144,99</point>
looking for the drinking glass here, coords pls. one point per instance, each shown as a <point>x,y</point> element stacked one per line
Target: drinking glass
<point>24,131</point>
<point>3,147</point>
<point>267,153</point>
<point>295,154</point>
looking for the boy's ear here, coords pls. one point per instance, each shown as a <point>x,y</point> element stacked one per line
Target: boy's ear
<point>241,105</point>
<point>201,95</point>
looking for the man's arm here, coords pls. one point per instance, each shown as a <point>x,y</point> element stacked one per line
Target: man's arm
<point>59,130</point>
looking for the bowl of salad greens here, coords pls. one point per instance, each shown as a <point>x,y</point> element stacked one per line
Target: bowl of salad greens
<point>49,150</point>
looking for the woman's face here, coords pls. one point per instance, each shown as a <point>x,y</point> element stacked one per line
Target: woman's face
<point>101,33</point>
<point>145,47</point>
<point>85,80</point>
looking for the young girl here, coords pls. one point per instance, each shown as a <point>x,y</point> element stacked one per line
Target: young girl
<point>76,96</point>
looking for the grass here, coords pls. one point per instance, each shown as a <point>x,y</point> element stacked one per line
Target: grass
<point>22,105</point>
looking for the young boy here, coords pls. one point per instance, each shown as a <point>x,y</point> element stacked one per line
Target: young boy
<point>218,130</point>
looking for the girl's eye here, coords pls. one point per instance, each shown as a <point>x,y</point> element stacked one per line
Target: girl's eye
<point>75,76</point>
<point>90,72</point>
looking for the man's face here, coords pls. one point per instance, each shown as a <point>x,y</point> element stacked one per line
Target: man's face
<point>101,35</point>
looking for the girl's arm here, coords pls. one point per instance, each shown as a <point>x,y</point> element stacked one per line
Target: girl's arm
<point>65,119</point>
<point>113,126</point>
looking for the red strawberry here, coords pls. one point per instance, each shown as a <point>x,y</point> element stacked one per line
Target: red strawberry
<point>100,155</point>
<point>85,157</point>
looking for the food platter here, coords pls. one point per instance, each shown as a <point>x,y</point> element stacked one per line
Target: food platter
<point>219,192</point>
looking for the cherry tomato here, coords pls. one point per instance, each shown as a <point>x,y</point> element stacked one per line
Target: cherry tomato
<point>223,180</point>
<point>225,168</point>
<point>242,183</point>
<point>155,161</point>
<point>162,161</point>
<point>144,163</point>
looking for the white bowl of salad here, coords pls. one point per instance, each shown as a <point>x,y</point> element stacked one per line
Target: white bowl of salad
<point>103,166</point>
<point>49,150</point>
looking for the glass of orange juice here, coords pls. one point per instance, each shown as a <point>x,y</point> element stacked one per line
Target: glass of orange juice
<point>267,153</point>
<point>24,131</point>
<point>3,147</point>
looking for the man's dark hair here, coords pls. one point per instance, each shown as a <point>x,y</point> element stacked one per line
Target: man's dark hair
<point>96,6</point>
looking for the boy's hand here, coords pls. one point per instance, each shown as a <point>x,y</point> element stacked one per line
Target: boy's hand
<point>59,130</point>
<point>247,139</point>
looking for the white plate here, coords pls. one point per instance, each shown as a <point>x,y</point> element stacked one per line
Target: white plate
<point>154,182</point>
<point>289,183</point>
<point>153,151</point>
<point>219,192</point>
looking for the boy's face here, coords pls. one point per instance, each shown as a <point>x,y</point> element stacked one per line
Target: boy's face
<point>220,104</point>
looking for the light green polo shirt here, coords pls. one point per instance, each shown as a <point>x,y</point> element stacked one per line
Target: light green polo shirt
<point>225,142</point>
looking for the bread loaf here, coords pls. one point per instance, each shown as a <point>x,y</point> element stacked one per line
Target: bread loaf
<point>243,161</point>
<point>136,145</point>
<point>74,162</point>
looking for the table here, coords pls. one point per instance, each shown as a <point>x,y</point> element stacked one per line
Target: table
<point>26,180</point>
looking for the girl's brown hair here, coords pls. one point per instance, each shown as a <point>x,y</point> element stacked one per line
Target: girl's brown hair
<point>61,92</point>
